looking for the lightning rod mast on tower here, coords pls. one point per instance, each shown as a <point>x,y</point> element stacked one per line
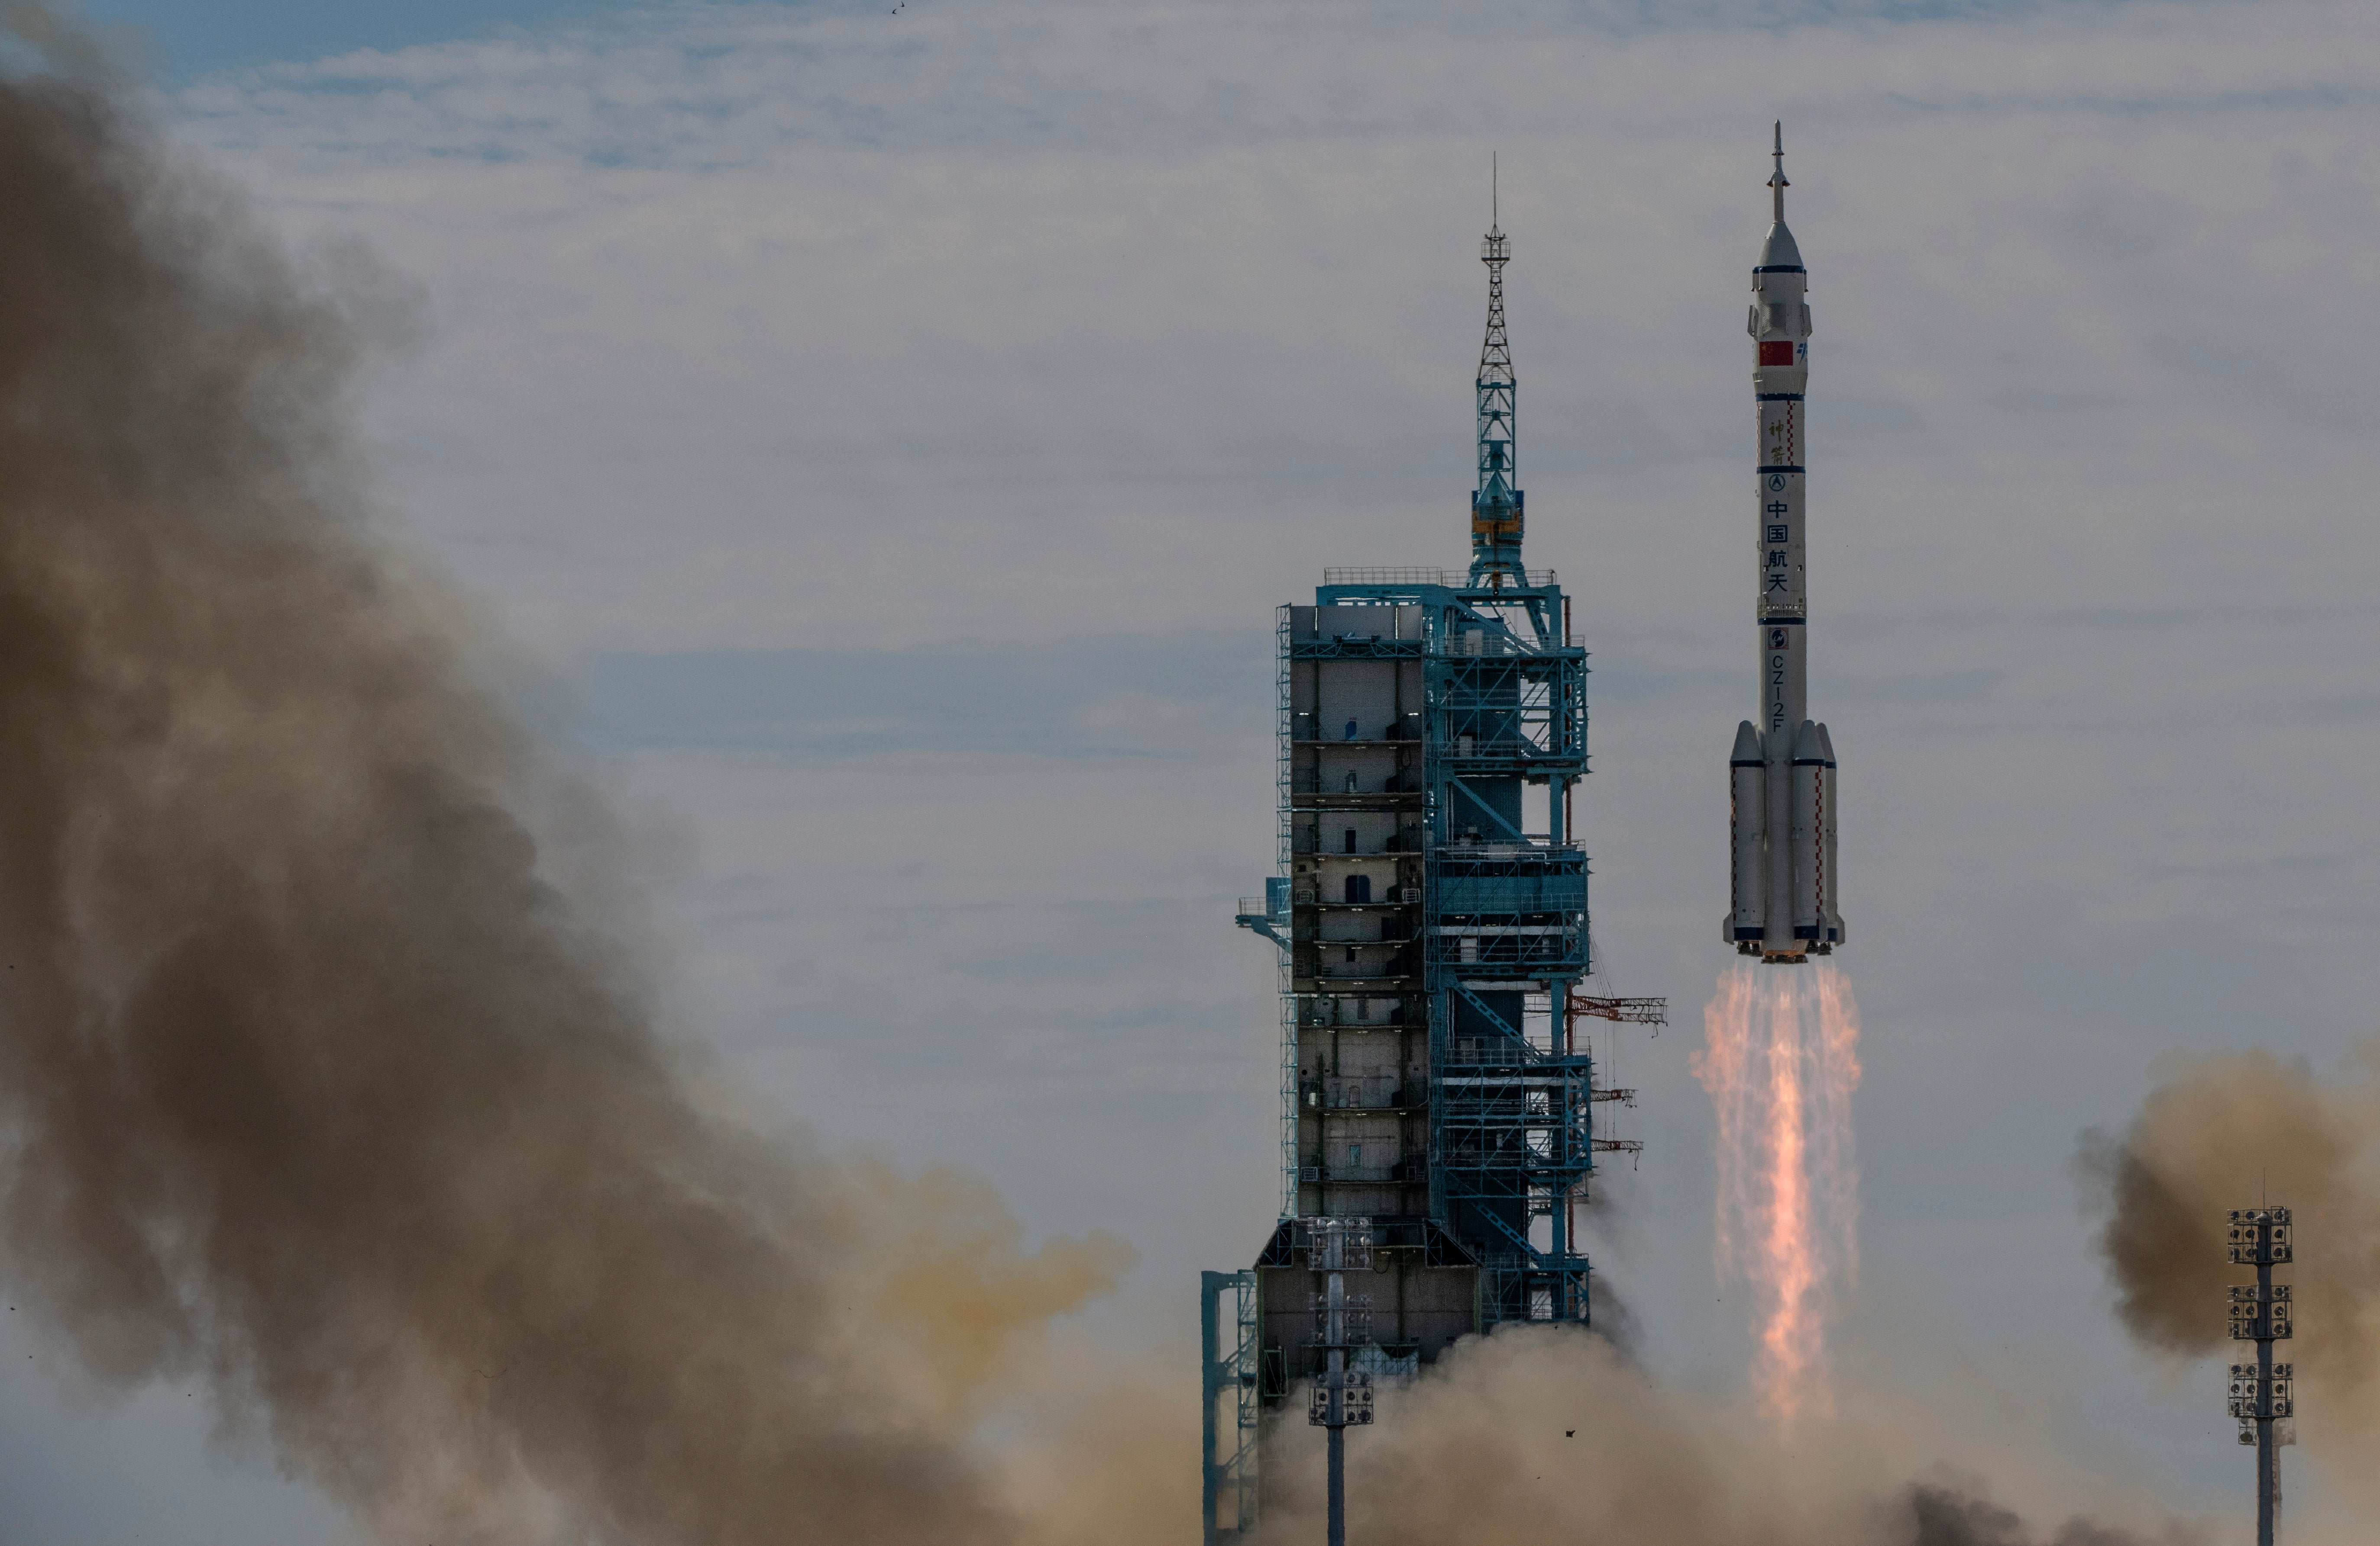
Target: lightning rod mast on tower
<point>1495,504</point>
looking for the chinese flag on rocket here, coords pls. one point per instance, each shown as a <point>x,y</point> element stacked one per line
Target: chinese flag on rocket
<point>1779,352</point>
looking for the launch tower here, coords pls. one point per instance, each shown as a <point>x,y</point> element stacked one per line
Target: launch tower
<point>1430,913</point>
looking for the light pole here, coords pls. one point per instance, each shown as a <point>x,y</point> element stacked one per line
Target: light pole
<point>1344,1396</point>
<point>2261,1391</point>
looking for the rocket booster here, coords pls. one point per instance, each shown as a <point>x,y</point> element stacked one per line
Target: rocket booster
<point>1781,773</point>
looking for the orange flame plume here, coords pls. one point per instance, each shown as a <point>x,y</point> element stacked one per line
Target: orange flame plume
<point>1781,1061</point>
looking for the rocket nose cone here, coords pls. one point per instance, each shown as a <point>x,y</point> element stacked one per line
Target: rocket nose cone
<point>1826,746</point>
<point>1805,744</point>
<point>1747,746</point>
<point>1779,250</point>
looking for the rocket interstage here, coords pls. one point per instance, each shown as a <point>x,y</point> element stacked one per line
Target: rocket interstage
<point>1782,770</point>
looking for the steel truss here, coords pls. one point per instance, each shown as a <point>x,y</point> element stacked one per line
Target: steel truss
<point>1504,911</point>
<point>1231,1363</point>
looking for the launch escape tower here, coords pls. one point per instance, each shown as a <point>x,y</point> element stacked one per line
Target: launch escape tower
<point>1430,916</point>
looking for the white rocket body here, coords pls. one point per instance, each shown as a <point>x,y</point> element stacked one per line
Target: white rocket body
<point>1782,771</point>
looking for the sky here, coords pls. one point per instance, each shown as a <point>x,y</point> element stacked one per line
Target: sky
<point>884,438</point>
<point>177,42</point>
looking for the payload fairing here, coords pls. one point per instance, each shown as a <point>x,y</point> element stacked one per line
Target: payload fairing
<point>1782,771</point>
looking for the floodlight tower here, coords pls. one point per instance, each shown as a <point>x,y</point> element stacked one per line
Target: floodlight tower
<point>2261,1391</point>
<point>1342,1396</point>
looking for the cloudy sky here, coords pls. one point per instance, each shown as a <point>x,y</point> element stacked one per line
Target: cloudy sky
<point>888,435</point>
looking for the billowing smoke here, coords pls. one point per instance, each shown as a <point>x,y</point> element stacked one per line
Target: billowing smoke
<point>1948,1516</point>
<point>329,1074</point>
<point>2233,1133</point>
<point>1550,1432</point>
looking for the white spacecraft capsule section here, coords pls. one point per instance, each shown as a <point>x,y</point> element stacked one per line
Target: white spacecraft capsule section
<point>1748,884</point>
<point>1809,835</point>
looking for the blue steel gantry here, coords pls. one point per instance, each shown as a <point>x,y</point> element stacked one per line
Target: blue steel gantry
<point>1431,914</point>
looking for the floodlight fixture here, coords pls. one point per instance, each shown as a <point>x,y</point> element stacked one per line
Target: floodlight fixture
<point>2262,1394</point>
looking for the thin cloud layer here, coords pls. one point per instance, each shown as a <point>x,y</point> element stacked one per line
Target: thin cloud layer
<point>1208,305</point>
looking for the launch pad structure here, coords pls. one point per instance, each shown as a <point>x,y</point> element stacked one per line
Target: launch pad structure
<point>1429,911</point>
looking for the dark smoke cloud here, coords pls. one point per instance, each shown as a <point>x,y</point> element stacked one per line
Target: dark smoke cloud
<point>327,1080</point>
<point>1613,1319</point>
<point>1946,1517</point>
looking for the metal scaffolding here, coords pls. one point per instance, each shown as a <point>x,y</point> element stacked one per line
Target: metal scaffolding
<point>1497,934</point>
<point>1231,1375</point>
<point>1429,915</point>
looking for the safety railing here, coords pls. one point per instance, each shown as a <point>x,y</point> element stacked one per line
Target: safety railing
<point>1453,579</point>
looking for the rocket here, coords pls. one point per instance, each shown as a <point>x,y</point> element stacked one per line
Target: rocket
<point>1781,775</point>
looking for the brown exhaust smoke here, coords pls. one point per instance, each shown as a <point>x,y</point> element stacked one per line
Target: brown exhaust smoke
<point>1546,1432</point>
<point>2231,1132</point>
<point>329,1080</point>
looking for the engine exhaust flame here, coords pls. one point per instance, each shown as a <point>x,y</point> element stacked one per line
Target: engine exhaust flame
<point>1780,1061</point>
